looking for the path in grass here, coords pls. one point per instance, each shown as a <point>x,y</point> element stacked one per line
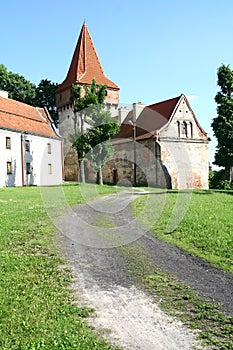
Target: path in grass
<point>93,235</point>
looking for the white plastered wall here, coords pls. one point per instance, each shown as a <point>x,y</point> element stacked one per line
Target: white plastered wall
<point>12,155</point>
<point>45,167</point>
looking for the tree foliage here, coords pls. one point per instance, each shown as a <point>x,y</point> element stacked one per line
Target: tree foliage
<point>17,86</point>
<point>45,96</point>
<point>223,124</point>
<point>94,142</point>
<point>23,90</point>
<point>85,96</point>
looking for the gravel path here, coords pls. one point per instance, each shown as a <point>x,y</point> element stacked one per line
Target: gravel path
<point>103,283</point>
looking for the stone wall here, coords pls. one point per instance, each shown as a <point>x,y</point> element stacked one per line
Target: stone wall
<point>67,127</point>
<point>164,164</point>
<point>149,170</point>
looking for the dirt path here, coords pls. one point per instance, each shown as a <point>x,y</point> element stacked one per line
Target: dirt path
<point>91,234</point>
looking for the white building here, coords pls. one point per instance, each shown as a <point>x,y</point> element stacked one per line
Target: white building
<point>30,148</point>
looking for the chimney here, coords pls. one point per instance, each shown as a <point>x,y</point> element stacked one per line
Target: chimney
<point>3,94</point>
<point>122,113</point>
<point>137,109</point>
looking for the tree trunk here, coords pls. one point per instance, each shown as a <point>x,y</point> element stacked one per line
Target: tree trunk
<point>81,171</point>
<point>231,174</point>
<point>99,177</point>
<point>81,163</point>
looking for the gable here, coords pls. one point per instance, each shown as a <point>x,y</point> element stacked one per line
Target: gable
<point>183,123</point>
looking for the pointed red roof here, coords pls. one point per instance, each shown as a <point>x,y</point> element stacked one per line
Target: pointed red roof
<point>85,64</point>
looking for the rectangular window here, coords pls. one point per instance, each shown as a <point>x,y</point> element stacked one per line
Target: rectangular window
<point>9,167</point>
<point>8,143</point>
<point>50,168</point>
<point>49,148</point>
<point>27,145</point>
<point>28,168</point>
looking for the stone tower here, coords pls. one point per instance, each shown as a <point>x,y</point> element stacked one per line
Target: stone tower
<point>85,66</point>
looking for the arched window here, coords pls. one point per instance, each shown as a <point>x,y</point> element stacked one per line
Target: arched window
<point>178,128</point>
<point>185,129</point>
<point>191,129</point>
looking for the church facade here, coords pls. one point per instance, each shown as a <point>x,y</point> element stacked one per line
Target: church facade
<point>164,140</point>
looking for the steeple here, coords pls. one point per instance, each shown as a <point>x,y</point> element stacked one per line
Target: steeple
<point>85,64</point>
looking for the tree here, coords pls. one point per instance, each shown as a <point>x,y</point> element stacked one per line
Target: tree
<point>23,90</point>
<point>82,98</point>
<point>223,124</point>
<point>95,142</point>
<point>45,97</point>
<point>17,86</point>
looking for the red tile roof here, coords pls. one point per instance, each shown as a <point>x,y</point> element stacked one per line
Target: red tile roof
<point>19,116</point>
<point>85,64</point>
<point>152,118</point>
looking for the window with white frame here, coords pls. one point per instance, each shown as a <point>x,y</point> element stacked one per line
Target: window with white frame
<point>9,168</point>
<point>8,143</point>
<point>49,168</point>
<point>49,148</point>
<point>27,145</point>
<point>28,168</point>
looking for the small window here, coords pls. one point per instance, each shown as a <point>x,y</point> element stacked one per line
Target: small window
<point>191,129</point>
<point>49,148</point>
<point>49,168</point>
<point>9,167</point>
<point>185,129</point>
<point>8,143</point>
<point>27,145</point>
<point>28,168</point>
<point>178,128</point>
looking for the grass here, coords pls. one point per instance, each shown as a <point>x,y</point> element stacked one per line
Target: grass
<point>36,307</point>
<point>205,230</point>
<point>213,327</point>
<point>202,225</point>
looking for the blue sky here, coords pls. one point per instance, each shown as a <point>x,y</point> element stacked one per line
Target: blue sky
<point>153,50</point>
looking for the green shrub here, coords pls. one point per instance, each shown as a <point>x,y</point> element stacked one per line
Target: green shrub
<point>218,180</point>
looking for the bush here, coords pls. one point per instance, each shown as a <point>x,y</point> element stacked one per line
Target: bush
<point>218,180</point>
<point>225,185</point>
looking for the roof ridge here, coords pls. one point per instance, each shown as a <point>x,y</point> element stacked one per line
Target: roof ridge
<point>95,52</point>
<point>17,102</point>
<point>163,101</point>
<point>20,115</point>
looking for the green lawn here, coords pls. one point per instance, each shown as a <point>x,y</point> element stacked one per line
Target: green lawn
<point>36,308</point>
<point>202,223</point>
<point>206,229</point>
